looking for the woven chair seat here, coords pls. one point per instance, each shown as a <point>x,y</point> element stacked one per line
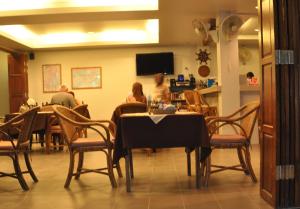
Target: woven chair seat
<point>228,140</point>
<point>88,142</point>
<point>7,145</point>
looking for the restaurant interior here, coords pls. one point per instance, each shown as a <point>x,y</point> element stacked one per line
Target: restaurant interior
<point>157,101</point>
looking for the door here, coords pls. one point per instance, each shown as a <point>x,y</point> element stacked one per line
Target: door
<point>268,126</point>
<point>280,97</point>
<point>18,81</point>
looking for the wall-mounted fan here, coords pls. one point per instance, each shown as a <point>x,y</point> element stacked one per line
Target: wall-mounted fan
<point>200,29</point>
<point>230,26</point>
<point>206,30</point>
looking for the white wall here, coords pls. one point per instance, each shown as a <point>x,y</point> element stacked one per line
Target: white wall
<point>253,64</point>
<point>4,94</point>
<point>118,73</point>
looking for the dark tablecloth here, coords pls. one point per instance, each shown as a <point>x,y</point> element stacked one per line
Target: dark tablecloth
<point>178,130</point>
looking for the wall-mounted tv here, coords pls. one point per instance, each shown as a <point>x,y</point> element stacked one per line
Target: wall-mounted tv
<point>149,64</point>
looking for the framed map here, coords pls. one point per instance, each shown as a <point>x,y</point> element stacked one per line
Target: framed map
<point>51,78</point>
<point>86,78</point>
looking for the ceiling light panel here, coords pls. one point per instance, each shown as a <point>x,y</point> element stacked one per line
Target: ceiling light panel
<point>99,5</point>
<point>119,33</point>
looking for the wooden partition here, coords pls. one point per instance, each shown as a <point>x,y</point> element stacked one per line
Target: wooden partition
<point>280,116</point>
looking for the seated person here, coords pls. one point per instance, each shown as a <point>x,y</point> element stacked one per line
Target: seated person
<point>76,100</point>
<point>161,91</point>
<point>63,98</point>
<point>252,80</point>
<point>137,94</point>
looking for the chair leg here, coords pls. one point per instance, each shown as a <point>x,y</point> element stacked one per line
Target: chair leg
<point>118,167</point>
<point>110,169</point>
<point>61,142</point>
<point>242,160</point>
<point>80,164</point>
<point>41,139</point>
<point>19,173</point>
<point>30,142</point>
<point>249,165</point>
<point>188,158</point>
<point>71,169</point>
<point>48,142</point>
<point>29,168</point>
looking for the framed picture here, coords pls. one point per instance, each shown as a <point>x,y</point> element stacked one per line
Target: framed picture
<point>51,78</point>
<point>86,78</point>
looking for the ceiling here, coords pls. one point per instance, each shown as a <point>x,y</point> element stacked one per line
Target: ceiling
<point>175,22</point>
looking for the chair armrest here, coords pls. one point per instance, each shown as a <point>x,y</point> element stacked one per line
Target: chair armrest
<point>216,124</point>
<point>91,124</point>
<point>8,138</point>
<point>111,126</point>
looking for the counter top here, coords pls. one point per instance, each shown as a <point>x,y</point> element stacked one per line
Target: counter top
<point>210,90</point>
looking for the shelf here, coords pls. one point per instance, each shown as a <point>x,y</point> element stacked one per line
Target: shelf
<point>210,90</point>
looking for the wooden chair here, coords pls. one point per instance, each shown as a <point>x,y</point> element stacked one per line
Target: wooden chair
<point>242,122</point>
<point>53,131</point>
<point>11,148</point>
<point>196,102</point>
<point>134,107</point>
<point>84,111</point>
<point>190,99</point>
<point>72,124</point>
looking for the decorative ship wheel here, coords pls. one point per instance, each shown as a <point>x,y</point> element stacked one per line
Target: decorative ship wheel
<point>203,56</point>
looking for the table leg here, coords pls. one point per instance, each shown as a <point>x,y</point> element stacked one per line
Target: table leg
<point>127,168</point>
<point>131,163</point>
<point>188,158</point>
<point>197,167</point>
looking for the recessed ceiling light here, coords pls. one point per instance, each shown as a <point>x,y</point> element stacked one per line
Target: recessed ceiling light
<point>137,32</point>
<point>256,30</point>
<point>101,5</point>
<point>256,7</point>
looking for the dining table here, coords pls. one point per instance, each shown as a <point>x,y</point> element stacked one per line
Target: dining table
<point>146,130</point>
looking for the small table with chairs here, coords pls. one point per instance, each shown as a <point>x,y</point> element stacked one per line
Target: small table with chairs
<point>138,130</point>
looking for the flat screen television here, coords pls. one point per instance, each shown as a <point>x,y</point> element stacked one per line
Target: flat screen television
<point>149,64</point>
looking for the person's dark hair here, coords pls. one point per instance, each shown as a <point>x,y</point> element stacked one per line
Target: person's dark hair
<point>250,75</point>
<point>137,89</point>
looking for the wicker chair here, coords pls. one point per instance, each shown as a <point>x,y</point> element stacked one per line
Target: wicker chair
<point>12,148</point>
<point>54,131</point>
<point>197,103</point>
<point>72,124</point>
<point>134,107</point>
<point>242,122</point>
<point>82,110</point>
